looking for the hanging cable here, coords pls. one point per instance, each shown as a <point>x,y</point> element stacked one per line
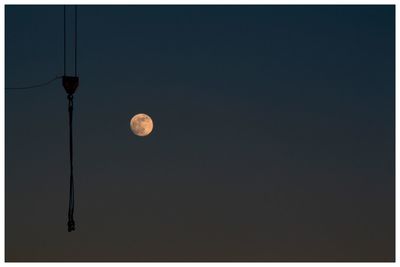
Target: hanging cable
<point>34,86</point>
<point>76,40</point>
<point>65,60</point>
<point>65,41</point>
<point>70,84</point>
<point>71,222</point>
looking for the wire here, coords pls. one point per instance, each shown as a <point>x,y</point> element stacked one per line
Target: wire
<point>76,40</point>
<point>65,41</point>
<point>65,59</point>
<point>71,222</point>
<point>34,86</point>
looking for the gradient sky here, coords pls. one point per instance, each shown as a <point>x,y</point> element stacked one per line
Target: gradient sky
<point>273,137</point>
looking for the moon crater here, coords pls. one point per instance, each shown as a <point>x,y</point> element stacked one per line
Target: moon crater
<point>141,124</point>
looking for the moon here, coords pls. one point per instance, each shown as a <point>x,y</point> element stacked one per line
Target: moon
<point>141,124</point>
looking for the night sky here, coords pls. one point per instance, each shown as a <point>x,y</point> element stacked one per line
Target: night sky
<point>273,134</point>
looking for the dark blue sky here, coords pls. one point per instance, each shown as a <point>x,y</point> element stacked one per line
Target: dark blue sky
<point>273,138</point>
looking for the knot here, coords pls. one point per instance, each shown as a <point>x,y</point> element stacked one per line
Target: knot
<point>71,225</point>
<point>70,101</point>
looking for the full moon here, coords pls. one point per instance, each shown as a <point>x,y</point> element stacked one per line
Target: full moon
<point>141,124</point>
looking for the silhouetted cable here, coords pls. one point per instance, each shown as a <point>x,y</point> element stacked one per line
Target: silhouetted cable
<point>34,86</point>
<point>65,41</point>
<point>70,84</point>
<point>71,222</point>
<point>76,40</point>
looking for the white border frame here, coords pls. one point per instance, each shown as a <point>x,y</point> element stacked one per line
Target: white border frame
<point>175,2</point>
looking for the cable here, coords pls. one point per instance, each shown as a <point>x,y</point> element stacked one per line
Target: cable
<point>70,90</point>
<point>71,222</point>
<point>76,40</point>
<point>65,41</point>
<point>34,86</point>
<point>70,84</point>
<point>65,59</point>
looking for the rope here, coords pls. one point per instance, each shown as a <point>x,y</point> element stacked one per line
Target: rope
<point>76,40</point>
<point>34,86</point>
<point>71,222</point>
<point>65,41</point>
<point>70,88</point>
